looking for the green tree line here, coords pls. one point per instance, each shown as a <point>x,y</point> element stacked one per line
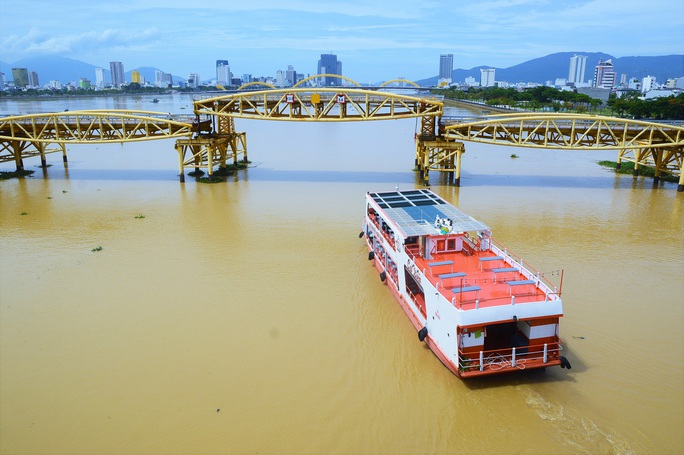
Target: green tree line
<point>549,98</point>
<point>663,108</point>
<point>533,99</point>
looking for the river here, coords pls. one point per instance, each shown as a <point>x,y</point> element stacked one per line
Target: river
<point>140,315</point>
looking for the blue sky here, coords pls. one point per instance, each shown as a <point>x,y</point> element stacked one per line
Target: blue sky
<point>375,39</point>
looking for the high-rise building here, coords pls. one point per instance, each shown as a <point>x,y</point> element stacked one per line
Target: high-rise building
<point>578,64</point>
<point>290,76</point>
<point>446,68</point>
<point>193,80</point>
<point>623,80</point>
<point>487,76</point>
<point>328,64</point>
<point>135,76</point>
<point>2,81</point>
<point>604,75</point>
<point>20,76</point>
<point>99,77</point>
<point>280,79</point>
<point>223,74</point>
<point>33,79</point>
<point>162,79</point>
<point>648,83</point>
<point>117,71</point>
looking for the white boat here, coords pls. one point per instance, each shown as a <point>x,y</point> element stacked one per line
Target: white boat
<point>479,308</point>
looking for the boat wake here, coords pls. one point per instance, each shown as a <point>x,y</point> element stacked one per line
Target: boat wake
<point>579,434</point>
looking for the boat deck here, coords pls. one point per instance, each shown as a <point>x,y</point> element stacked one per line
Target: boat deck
<point>479,279</point>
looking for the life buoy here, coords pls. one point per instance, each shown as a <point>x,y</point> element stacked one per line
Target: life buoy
<point>371,255</point>
<point>360,234</point>
<point>565,363</point>
<point>422,334</point>
<point>383,276</point>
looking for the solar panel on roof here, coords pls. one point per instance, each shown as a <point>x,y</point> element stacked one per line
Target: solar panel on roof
<point>424,213</point>
<point>414,212</point>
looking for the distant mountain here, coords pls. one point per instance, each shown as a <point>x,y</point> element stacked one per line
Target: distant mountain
<point>557,65</point>
<point>52,68</point>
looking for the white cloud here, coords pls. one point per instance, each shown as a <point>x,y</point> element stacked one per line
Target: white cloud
<point>188,36</point>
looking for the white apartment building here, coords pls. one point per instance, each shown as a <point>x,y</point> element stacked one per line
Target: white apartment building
<point>487,76</point>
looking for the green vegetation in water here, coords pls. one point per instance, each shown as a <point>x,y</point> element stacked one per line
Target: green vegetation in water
<point>211,179</point>
<point>24,213</point>
<point>513,155</point>
<point>96,249</point>
<point>221,172</point>
<point>627,167</point>
<point>139,216</point>
<point>5,175</point>
<point>197,173</point>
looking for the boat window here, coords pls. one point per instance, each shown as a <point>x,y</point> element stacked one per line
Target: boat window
<point>447,244</point>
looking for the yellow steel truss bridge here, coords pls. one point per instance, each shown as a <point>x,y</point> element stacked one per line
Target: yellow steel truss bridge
<point>656,145</point>
<point>208,138</point>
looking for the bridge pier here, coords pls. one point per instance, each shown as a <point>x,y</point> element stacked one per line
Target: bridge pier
<point>439,155</point>
<point>16,151</point>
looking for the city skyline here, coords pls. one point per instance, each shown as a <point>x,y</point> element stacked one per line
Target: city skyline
<point>375,41</point>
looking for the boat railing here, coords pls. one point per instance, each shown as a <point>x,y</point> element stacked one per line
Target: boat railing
<point>510,358</point>
<point>469,246</point>
<point>476,303</point>
<point>388,238</point>
<point>529,272</point>
<point>417,300</point>
<point>413,251</point>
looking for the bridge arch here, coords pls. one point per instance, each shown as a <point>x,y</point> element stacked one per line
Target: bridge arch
<point>256,83</point>
<point>403,81</point>
<point>317,104</point>
<point>318,76</point>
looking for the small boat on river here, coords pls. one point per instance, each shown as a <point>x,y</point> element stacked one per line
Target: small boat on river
<point>478,307</point>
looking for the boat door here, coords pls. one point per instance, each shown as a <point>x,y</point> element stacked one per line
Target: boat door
<point>425,245</point>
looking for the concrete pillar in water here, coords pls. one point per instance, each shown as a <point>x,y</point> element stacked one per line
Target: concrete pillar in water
<point>181,155</point>
<point>457,180</point>
<point>16,150</point>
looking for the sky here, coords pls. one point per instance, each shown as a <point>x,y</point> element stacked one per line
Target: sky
<point>376,40</point>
